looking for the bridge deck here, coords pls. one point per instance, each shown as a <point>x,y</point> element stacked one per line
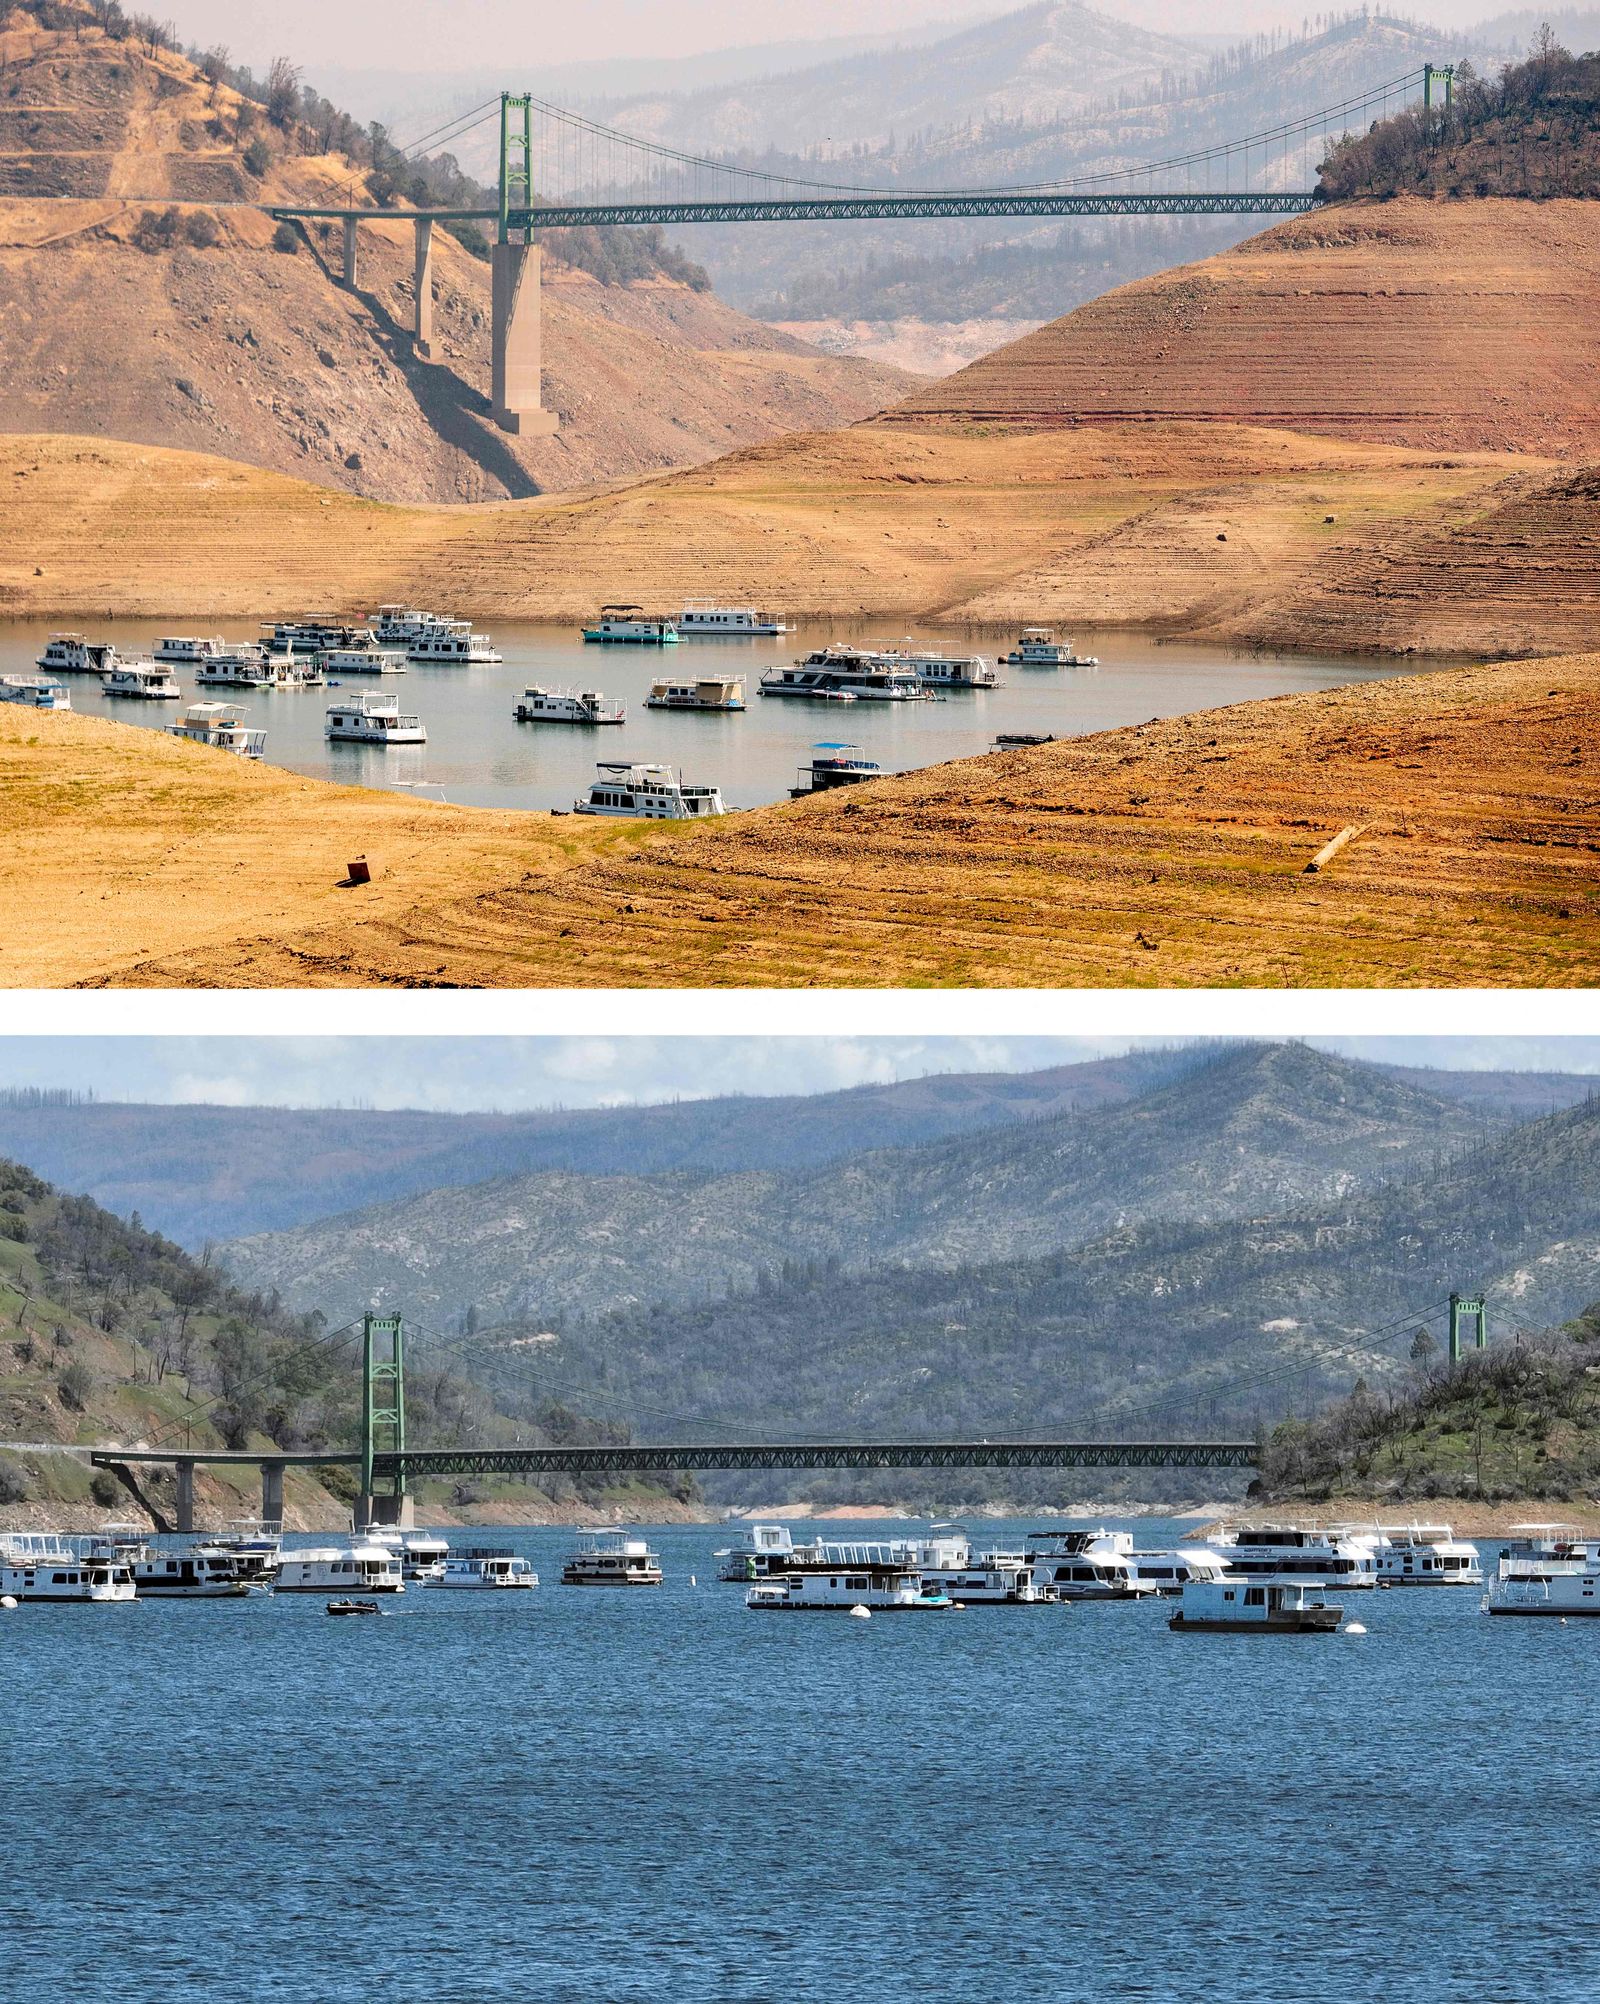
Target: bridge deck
<point>420,1463</point>
<point>833,209</point>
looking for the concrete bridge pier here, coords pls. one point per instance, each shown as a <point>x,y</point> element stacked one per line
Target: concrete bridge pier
<point>352,258</point>
<point>185,1496</point>
<point>271,1494</point>
<point>423,339</point>
<point>394,1512</point>
<point>514,271</point>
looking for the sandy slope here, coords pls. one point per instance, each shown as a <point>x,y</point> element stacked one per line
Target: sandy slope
<point>1170,854</point>
<point>1463,326</point>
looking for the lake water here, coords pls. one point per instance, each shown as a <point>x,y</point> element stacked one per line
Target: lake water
<point>570,1796</point>
<point>477,755</point>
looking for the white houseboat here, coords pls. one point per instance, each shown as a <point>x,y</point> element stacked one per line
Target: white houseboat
<point>361,1566</point>
<point>764,1549</point>
<point>1170,1572</point>
<point>203,1570</point>
<point>1038,647</point>
<point>255,1546</point>
<point>698,692</point>
<point>40,1566</point>
<point>1232,1606</point>
<point>1313,1555</point>
<point>611,1558</point>
<point>314,635</point>
<point>1563,1580</point>
<point>1425,1555</point>
<point>834,765</point>
<point>940,671</point>
<point>855,672</point>
<point>1086,1565</point>
<point>71,654</point>
<point>878,1588</point>
<point>567,706</point>
<point>453,643</point>
<point>34,692</point>
<point>631,626</point>
<point>185,650</point>
<point>399,625</point>
<point>701,620</point>
<point>648,793</point>
<point>221,725</point>
<point>422,1553</point>
<point>361,660</point>
<point>251,667</point>
<point>375,720</point>
<point>147,681</point>
<point>490,1567</point>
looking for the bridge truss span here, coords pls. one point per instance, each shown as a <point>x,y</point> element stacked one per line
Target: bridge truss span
<point>638,1456</point>
<point>867,208</point>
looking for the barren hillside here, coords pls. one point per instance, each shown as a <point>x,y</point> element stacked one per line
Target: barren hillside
<point>1453,326</point>
<point>146,308</point>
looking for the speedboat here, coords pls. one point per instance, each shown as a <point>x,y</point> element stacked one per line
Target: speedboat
<point>611,1558</point>
<point>648,793</point>
<point>354,1607</point>
<point>566,706</point>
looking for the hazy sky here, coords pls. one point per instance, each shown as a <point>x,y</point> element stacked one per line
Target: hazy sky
<point>515,1073</point>
<point>467,34</point>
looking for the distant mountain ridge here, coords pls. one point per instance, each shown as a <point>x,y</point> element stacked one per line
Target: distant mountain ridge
<point>1162,1325</point>
<point>1245,1130</point>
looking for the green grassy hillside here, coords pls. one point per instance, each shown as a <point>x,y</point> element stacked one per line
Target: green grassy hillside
<point>1519,1421</point>
<point>110,1334</point>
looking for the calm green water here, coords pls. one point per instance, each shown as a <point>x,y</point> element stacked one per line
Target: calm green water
<point>575,1795</point>
<point>476,755</point>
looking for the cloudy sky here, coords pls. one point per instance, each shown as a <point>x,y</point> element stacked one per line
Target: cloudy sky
<point>515,1073</point>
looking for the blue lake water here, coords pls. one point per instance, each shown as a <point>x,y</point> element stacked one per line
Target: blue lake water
<point>656,1795</point>
<point>477,755</point>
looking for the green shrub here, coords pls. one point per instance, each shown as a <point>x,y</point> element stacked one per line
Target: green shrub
<point>75,1384</point>
<point>257,157</point>
<point>105,1489</point>
<point>14,1486</point>
<point>286,238</point>
<point>200,227</point>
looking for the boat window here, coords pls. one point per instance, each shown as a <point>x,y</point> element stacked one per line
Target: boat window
<point>1255,1596</point>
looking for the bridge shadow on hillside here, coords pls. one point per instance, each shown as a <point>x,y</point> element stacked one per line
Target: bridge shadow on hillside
<point>460,416</point>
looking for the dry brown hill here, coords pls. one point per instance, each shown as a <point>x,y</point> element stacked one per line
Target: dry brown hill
<point>240,349</point>
<point>1172,854</point>
<point>1454,325</point>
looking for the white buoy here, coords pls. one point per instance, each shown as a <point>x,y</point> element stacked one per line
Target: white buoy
<point>692,1581</point>
<point>8,1601</point>
<point>861,1613</point>
<point>1355,1628</point>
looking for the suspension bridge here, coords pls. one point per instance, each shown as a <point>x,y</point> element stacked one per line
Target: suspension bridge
<point>560,170</point>
<point>389,1466</point>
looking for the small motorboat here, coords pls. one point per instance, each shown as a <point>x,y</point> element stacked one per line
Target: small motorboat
<point>354,1607</point>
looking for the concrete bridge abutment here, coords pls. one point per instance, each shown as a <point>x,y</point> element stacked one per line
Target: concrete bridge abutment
<point>352,254</point>
<point>185,1504</point>
<point>271,1493</point>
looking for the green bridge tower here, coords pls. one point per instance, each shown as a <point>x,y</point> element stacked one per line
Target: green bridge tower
<point>383,1419</point>
<point>1465,1308</point>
